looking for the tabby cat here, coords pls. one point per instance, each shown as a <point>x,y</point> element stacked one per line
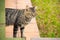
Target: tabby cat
<point>19,18</point>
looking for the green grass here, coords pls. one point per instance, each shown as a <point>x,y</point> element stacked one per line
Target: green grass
<point>2,20</point>
<point>14,38</point>
<point>48,17</point>
<point>2,14</point>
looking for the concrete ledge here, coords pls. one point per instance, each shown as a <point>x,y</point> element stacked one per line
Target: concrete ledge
<point>45,38</point>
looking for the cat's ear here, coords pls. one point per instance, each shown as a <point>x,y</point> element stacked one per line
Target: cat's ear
<point>27,7</point>
<point>35,7</point>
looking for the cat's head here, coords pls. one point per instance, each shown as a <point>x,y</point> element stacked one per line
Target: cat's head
<point>30,12</point>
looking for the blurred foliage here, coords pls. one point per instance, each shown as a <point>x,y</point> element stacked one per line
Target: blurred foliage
<point>2,20</point>
<point>48,17</point>
<point>15,39</point>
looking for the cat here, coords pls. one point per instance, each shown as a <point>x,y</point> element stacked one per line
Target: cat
<point>19,18</point>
